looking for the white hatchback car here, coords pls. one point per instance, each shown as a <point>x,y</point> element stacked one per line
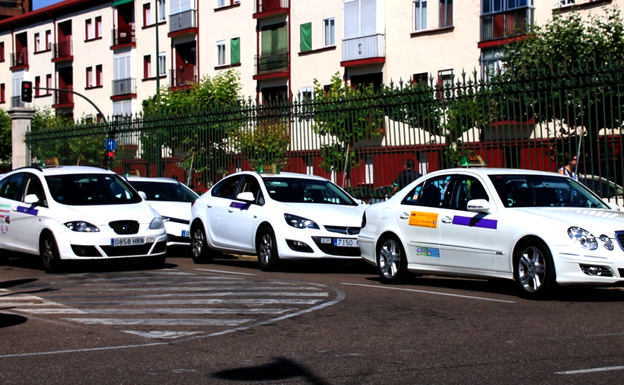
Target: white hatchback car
<point>173,202</point>
<point>539,229</point>
<point>276,216</point>
<point>77,213</point>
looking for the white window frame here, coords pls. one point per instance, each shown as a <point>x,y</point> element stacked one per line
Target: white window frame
<point>90,30</point>
<point>367,24</point>
<point>420,15</point>
<point>162,10</point>
<point>122,108</point>
<point>565,3</point>
<point>304,91</point>
<point>221,51</point>
<point>90,76</point>
<point>329,25</point>
<point>122,67</point>
<point>147,14</point>
<point>37,42</point>
<point>162,63</point>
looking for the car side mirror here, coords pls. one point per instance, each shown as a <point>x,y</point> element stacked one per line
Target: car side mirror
<point>246,196</point>
<point>143,195</point>
<point>31,199</point>
<point>479,206</point>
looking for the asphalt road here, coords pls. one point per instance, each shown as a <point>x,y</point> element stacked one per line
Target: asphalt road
<point>310,323</point>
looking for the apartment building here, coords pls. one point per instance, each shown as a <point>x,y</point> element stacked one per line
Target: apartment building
<point>118,53</point>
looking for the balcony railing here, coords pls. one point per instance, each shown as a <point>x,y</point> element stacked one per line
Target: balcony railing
<point>16,101</point>
<point>123,35</point>
<point>19,59</point>
<point>63,98</point>
<point>183,20</point>
<point>365,47</point>
<point>183,76</point>
<point>272,62</point>
<point>506,25</point>
<point>63,49</point>
<point>270,5</point>
<point>124,86</point>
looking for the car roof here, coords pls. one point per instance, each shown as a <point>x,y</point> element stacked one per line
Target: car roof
<point>148,179</point>
<point>64,170</point>
<point>498,171</point>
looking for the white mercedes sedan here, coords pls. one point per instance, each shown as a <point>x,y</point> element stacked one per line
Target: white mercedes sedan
<point>275,216</point>
<point>539,229</point>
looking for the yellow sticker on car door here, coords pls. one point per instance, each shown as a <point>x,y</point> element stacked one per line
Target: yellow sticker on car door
<point>421,219</point>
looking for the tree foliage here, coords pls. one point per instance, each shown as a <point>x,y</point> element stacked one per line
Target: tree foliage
<point>6,149</point>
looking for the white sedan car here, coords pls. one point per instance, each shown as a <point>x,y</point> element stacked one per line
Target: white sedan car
<point>276,216</point>
<point>539,229</point>
<point>173,202</point>
<point>77,213</point>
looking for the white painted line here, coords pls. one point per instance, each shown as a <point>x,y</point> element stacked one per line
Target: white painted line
<point>156,334</point>
<point>52,311</point>
<point>19,304</point>
<point>159,322</point>
<point>259,301</point>
<point>186,311</point>
<point>213,281</point>
<point>198,288</point>
<point>581,371</point>
<point>225,271</point>
<point>174,273</point>
<point>244,293</point>
<point>429,292</point>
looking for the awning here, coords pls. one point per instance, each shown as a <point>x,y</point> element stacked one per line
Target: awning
<point>117,3</point>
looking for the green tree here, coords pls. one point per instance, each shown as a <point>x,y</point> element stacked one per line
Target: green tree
<point>6,149</point>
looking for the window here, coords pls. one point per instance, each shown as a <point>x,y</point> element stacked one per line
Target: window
<point>360,18</point>
<point>220,53</point>
<point>305,43</point>
<point>37,42</point>
<point>98,27</point>
<point>89,77</point>
<point>466,188</point>
<point>162,64</point>
<point>147,66</point>
<point>1,51</point>
<point>420,15</point>
<point>491,62</point>
<point>225,188</point>
<point>48,40</point>
<point>445,78</point>
<point>122,107</point>
<point>563,3</point>
<point>421,78</point>
<point>161,11</point>
<point>48,84</point>
<point>235,50</point>
<point>121,67</point>
<point>306,94</point>
<point>2,93</point>
<point>446,13</point>
<point>430,193</point>
<point>98,75</point>
<point>147,15</point>
<point>37,85</point>
<point>329,32</point>
<point>225,3</point>
<point>90,34</point>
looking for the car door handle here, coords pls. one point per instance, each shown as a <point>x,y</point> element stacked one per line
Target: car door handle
<point>230,210</point>
<point>404,216</point>
<point>209,205</point>
<point>447,220</point>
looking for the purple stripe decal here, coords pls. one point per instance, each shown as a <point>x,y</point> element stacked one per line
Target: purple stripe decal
<point>239,205</point>
<point>27,210</point>
<point>475,222</point>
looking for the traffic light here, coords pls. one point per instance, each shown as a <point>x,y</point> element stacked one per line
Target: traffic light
<point>111,154</point>
<point>27,92</point>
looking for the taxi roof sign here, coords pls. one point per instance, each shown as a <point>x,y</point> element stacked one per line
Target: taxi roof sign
<point>51,162</point>
<point>472,160</point>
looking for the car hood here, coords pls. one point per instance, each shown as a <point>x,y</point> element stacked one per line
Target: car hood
<point>327,214</point>
<point>178,210</point>
<point>594,219</point>
<point>103,214</point>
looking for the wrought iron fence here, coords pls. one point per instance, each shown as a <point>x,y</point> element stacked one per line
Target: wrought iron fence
<point>361,140</point>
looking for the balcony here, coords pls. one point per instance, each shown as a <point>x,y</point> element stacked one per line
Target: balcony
<point>183,77</point>
<point>122,37</point>
<point>63,99</point>
<point>271,65</point>
<point>19,60</point>
<point>363,50</point>
<point>16,101</point>
<point>183,21</point>
<point>124,87</point>
<point>506,25</point>
<point>62,51</point>
<point>267,8</point>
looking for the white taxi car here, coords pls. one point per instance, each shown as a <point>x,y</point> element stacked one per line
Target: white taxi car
<point>275,216</point>
<point>77,213</point>
<point>539,229</point>
<point>173,202</point>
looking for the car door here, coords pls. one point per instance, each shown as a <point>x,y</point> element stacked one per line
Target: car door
<point>27,218</point>
<point>468,240</point>
<point>418,220</point>
<point>10,196</point>
<point>218,210</point>
<point>243,217</point>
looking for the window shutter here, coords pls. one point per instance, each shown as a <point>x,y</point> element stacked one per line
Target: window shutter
<point>306,37</point>
<point>352,19</point>
<point>235,51</point>
<point>369,17</point>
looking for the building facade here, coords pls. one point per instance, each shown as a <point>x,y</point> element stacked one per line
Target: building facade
<point>118,53</point>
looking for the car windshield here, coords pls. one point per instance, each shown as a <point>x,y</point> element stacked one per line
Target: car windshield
<point>306,191</point>
<point>543,191</point>
<point>90,189</point>
<point>165,192</point>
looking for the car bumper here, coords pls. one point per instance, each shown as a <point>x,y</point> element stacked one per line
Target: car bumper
<point>605,268</point>
<point>320,245</point>
<point>178,234</point>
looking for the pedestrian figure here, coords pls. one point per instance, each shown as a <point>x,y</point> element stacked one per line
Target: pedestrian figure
<point>570,168</point>
<point>407,176</point>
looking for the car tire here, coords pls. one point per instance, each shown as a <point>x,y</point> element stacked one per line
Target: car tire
<point>199,246</point>
<point>48,250</point>
<point>534,270</point>
<point>266,249</point>
<point>391,260</point>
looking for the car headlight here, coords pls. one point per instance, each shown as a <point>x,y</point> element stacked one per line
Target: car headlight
<point>157,223</point>
<point>300,223</point>
<point>583,238</point>
<point>606,242</point>
<point>82,227</point>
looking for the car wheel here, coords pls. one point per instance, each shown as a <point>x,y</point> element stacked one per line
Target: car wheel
<point>50,257</point>
<point>534,270</point>
<point>199,247</point>
<point>391,260</point>
<point>266,248</point>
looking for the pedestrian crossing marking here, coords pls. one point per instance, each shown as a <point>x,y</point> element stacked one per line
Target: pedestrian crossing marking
<point>161,334</point>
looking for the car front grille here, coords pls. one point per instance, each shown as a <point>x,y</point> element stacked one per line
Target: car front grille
<point>127,251</point>
<point>343,230</point>
<point>330,249</point>
<point>621,271</point>
<point>619,235</point>
<point>125,227</point>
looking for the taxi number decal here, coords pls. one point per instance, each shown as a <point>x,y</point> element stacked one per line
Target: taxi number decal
<point>421,219</point>
<point>239,205</point>
<point>27,210</point>
<point>428,252</point>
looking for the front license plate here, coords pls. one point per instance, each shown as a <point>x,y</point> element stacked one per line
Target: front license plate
<point>127,241</point>
<point>345,242</point>
<point>185,234</point>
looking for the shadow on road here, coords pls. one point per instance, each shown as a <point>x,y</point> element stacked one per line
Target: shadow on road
<point>7,320</point>
<point>280,369</point>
